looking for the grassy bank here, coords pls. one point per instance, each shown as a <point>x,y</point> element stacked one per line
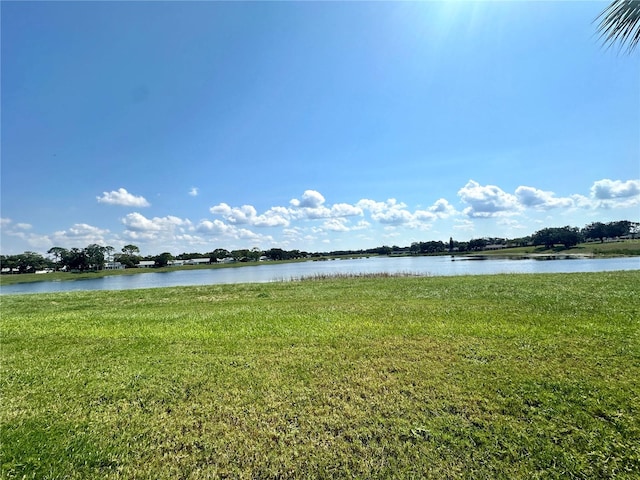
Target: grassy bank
<point>506,376</point>
<point>608,249</point>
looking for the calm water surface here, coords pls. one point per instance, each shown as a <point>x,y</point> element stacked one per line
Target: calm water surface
<point>431,266</point>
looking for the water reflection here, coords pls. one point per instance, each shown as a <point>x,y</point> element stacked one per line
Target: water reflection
<point>432,266</point>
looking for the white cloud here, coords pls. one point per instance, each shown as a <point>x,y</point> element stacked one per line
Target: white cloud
<point>247,215</point>
<point>532,197</point>
<point>609,189</point>
<point>4,222</point>
<point>24,226</point>
<point>487,200</point>
<point>79,235</point>
<point>362,225</point>
<point>230,234</point>
<point>336,225</point>
<point>274,217</point>
<point>194,191</point>
<point>123,198</point>
<point>442,208</point>
<point>345,210</point>
<point>390,212</point>
<point>310,199</point>
<point>396,213</point>
<point>136,222</point>
<point>238,215</point>
<point>581,201</point>
<point>216,227</point>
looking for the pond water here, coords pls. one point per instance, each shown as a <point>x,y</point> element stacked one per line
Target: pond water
<point>428,266</point>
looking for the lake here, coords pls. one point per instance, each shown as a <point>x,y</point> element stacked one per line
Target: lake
<point>428,266</point>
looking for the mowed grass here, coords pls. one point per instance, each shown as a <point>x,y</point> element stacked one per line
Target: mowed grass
<point>505,376</point>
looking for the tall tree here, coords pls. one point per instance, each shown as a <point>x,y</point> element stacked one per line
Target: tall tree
<point>95,256</point>
<point>108,250</point>
<point>620,23</point>
<point>75,259</point>
<point>58,253</point>
<point>163,259</point>
<point>130,250</point>
<point>595,230</point>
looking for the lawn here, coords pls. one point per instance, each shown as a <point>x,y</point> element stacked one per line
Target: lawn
<point>499,376</point>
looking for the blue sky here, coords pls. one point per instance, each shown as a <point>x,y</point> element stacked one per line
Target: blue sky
<point>317,126</point>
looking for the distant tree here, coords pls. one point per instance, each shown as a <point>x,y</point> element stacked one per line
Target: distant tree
<point>58,253</point>
<point>29,262</point>
<point>476,244</point>
<point>619,229</point>
<point>595,231</point>
<point>384,250</point>
<point>276,254</point>
<point>108,253</point>
<point>95,256</point>
<point>241,255</point>
<point>218,254</point>
<point>130,250</point>
<point>75,259</point>
<point>544,237</point>
<point>254,254</point>
<point>567,236</point>
<point>163,259</point>
<point>190,256</point>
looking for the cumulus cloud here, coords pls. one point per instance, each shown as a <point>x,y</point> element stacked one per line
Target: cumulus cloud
<point>215,227</point>
<point>606,189</point>
<point>310,199</point>
<point>194,191</point>
<point>123,198</point>
<point>80,234</point>
<point>487,200</point>
<point>247,215</point>
<point>394,213</point>
<point>140,227</point>
<point>345,210</point>
<point>229,233</point>
<point>442,208</point>
<point>4,222</point>
<point>237,215</point>
<point>533,197</point>
<point>336,225</point>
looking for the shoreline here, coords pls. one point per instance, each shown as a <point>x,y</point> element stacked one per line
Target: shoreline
<point>55,277</point>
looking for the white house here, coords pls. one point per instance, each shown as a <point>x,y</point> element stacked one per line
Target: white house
<point>197,261</point>
<point>113,266</point>
<point>146,264</point>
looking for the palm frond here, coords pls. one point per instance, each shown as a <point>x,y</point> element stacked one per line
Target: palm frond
<point>620,22</point>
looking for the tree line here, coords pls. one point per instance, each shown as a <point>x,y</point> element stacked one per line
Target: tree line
<point>94,256</point>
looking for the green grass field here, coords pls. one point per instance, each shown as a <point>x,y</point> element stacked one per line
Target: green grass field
<point>505,376</point>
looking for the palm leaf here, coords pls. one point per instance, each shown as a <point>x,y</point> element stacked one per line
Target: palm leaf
<point>620,22</point>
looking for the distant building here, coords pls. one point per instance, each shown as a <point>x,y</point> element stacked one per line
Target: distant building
<point>197,261</point>
<point>146,264</point>
<point>113,266</point>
